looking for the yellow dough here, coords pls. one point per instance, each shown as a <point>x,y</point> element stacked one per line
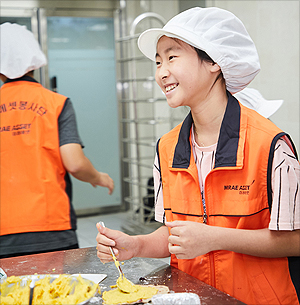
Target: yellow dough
<point>116,296</point>
<point>126,286</point>
<point>59,291</point>
<point>133,293</point>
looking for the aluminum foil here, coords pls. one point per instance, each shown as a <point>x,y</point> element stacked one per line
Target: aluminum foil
<point>176,299</point>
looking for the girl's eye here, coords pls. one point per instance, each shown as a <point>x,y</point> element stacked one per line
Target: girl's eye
<point>158,63</point>
<point>171,57</point>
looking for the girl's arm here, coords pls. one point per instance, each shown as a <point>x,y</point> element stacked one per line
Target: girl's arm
<point>125,246</point>
<point>191,239</point>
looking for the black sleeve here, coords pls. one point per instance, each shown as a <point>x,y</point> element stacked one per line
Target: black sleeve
<point>67,125</point>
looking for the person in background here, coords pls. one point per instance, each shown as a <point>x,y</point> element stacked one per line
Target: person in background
<point>40,145</point>
<point>253,99</point>
<point>226,179</point>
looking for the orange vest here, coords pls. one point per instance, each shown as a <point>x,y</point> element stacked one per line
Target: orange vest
<point>237,193</point>
<point>33,196</point>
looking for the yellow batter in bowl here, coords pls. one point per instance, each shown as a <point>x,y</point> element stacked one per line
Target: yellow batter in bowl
<point>60,289</point>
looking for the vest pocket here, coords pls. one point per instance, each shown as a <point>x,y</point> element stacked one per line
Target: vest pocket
<point>262,290</point>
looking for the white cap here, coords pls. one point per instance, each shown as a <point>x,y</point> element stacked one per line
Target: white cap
<point>20,51</point>
<point>253,99</point>
<point>217,32</point>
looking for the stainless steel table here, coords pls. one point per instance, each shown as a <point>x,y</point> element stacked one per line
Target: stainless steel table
<point>138,270</point>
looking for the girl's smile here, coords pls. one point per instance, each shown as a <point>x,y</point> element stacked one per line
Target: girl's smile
<point>170,87</point>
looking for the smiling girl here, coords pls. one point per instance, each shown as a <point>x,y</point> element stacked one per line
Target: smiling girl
<point>226,179</point>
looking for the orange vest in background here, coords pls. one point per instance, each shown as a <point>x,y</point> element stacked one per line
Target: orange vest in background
<point>237,195</point>
<point>33,196</point>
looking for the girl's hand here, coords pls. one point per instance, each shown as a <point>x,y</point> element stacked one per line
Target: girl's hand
<point>121,243</point>
<point>190,239</point>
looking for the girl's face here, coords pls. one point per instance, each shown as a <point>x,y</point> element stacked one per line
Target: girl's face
<point>182,76</point>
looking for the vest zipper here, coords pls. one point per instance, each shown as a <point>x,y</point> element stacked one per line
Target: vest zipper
<point>204,207</point>
<point>211,255</point>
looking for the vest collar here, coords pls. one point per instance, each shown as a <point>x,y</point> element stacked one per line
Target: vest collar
<point>22,78</point>
<point>228,142</point>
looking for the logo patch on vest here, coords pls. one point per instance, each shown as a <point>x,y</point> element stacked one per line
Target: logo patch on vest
<point>243,189</point>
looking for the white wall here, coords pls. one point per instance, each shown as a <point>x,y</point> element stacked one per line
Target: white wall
<point>274,27</point>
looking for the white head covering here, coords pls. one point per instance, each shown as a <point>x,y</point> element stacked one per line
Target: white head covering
<point>253,99</point>
<point>20,51</point>
<point>217,32</point>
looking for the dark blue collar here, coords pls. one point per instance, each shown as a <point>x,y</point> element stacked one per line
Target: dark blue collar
<point>226,154</point>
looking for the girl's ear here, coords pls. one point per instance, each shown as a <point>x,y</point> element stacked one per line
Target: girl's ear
<point>215,68</point>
